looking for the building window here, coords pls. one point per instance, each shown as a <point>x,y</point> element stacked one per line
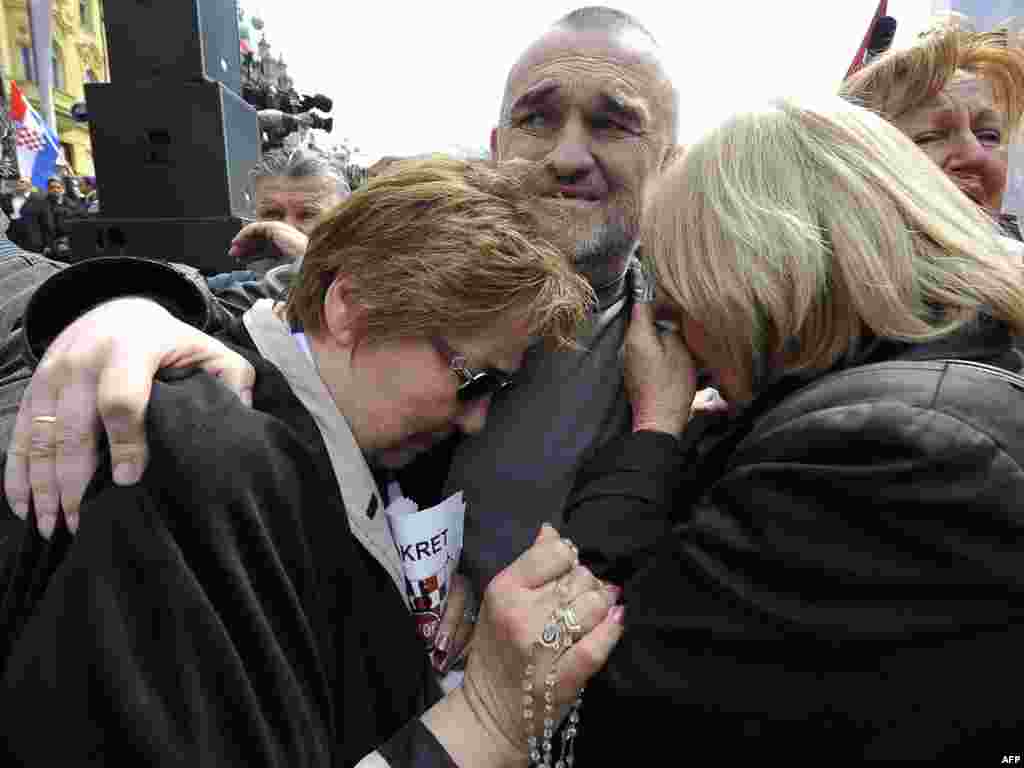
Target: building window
<point>85,13</point>
<point>28,64</point>
<point>90,76</point>
<point>69,154</point>
<point>58,69</point>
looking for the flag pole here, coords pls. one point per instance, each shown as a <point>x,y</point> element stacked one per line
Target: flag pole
<point>858,60</point>
<point>41,23</point>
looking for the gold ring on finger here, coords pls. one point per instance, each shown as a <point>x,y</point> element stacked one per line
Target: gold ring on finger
<point>571,620</point>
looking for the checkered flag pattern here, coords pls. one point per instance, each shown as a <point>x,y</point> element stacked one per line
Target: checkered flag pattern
<point>428,598</point>
<point>29,139</point>
<point>428,594</point>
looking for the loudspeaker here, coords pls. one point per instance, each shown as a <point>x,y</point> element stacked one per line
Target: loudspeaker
<point>200,243</point>
<point>183,40</point>
<point>166,150</point>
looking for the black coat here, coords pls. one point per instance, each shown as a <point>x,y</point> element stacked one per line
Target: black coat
<point>841,573</point>
<point>218,613</point>
<point>34,229</point>
<point>62,211</point>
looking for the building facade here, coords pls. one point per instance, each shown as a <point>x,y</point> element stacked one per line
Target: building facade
<point>79,56</point>
<point>263,74</point>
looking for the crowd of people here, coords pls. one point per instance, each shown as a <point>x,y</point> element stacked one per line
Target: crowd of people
<point>42,223</point>
<point>739,426</point>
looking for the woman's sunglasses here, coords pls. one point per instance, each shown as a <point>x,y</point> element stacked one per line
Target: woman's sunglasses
<point>476,384</point>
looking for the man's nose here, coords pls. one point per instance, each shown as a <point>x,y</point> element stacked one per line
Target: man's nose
<point>571,159</point>
<point>472,416</point>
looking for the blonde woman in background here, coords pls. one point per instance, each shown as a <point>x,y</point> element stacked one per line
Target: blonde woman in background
<point>959,95</point>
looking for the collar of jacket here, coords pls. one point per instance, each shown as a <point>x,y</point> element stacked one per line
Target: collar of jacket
<point>984,340</point>
<point>359,490</point>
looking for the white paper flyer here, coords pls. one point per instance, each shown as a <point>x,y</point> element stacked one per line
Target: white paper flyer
<point>429,544</point>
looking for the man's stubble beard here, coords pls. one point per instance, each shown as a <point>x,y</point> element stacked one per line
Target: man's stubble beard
<point>603,248</point>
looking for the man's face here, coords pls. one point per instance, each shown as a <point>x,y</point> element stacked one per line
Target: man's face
<point>23,186</point>
<point>55,188</point>
<point>597,111</point>
<point>298,202</point>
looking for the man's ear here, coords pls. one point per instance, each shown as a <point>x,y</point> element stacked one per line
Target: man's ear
<point>494,143</point>
<point>342,316</point>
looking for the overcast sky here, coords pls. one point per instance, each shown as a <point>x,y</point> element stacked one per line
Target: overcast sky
<point>409,77</point>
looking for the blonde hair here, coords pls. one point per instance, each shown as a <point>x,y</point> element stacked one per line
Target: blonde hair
<point>443,246</point>
<point>792,231</point>
<point>902,80</point>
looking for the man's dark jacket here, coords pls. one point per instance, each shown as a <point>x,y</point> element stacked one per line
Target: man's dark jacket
<point>33,230</point>
<point>840,577</point>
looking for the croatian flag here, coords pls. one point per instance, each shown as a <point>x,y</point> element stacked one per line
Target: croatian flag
<point>37,146</point>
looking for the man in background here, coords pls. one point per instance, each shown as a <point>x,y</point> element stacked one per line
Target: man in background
<point>31,223</point>
<point>90,195</point>
<point>62,209</point>
<point>292,189</point>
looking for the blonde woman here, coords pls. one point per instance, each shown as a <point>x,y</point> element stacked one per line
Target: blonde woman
<point>959,95</point>
<point>845,570</point>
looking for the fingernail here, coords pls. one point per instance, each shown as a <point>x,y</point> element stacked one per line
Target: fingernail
<point>618,614</point>
<point>46,525</point>
<point>442,642</point>
<point>71,519</point>
<point>615,590</point>
<point>246,397</point>
<point>126,473</point>
<point>21,510</point>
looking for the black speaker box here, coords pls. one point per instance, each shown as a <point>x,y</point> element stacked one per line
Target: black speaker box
<point>200,243</point>
<point>166,150</point>
<point>179,40</point>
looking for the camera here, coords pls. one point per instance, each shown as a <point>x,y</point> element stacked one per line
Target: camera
<point>266,96</point>
<point>276,125</point>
